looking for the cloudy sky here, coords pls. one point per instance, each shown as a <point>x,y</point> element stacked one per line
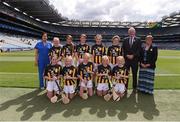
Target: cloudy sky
<point>116,10</point>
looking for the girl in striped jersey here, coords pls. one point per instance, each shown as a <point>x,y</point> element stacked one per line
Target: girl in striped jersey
<point>98,50</point>
<point>55,51</point>
<point>103,77</point>
<point>69,73</point>
<point>120,76</point>
<point>52,75</point>
<point>68,48</point>
<point>114,51</point>
<point>81,49</point>
<point>85,73</point>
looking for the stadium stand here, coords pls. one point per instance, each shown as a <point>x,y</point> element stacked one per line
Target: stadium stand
<point>30,18</point>
<point>10,42</point>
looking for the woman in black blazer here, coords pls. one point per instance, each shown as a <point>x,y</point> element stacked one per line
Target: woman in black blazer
<point>148,57</point>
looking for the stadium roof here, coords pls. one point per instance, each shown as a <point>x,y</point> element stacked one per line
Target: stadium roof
<point>41,10</point>
<point>172,20</point>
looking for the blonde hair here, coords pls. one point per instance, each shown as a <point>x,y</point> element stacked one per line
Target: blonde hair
<point>87,54</point>
<point>69,58</point>
<point>83,35</point>
<point>105,57</point>
<point>98,36</point>
<point>55,38</point>
<point>121,58</point>
<point>116,36</point>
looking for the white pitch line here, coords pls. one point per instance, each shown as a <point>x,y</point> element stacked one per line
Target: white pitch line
<point>28,73</point>
<point>169,57</point>
<point>167,74</point>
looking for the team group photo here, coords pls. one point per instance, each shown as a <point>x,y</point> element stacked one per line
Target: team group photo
<point>71,70</point>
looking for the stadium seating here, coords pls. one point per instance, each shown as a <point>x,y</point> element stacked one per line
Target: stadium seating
<point>13,42</point>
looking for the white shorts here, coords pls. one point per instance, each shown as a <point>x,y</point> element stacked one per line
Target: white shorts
<point>89,84</point>
<point>51,86</point>
<point>69,89</point>
<point>120,87</point>
<point>102,87</point>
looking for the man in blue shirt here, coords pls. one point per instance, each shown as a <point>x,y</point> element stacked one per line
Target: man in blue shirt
<point>41,57</point>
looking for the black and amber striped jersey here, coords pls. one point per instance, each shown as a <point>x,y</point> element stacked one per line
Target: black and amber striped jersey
<point>120,71</point>
<point>85,69</point>
<point>52,70</point>
<point>68,50</point>
<point>104,70</point>
<point>81,49</point>
<point>98,51</point>
<point>55,51</point>
<point>113,52</point>
<point>69,71</point>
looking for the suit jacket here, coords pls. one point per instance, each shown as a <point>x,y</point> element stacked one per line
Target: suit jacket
<point>151,56</point>
<point>131,50</point>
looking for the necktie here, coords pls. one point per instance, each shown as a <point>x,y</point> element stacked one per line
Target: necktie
<point>131,42</point>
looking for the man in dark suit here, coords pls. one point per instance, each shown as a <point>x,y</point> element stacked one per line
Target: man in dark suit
<point>131,50</point>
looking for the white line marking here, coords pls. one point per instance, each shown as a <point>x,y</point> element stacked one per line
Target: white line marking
<point>167,74</point>
<point>169,57</point>
<point>17,59</point>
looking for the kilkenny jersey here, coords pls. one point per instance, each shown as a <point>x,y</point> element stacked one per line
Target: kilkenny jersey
<point>113,52</point>
<point>55,51</point>
<point>103,70</point>
<point>68,50</point>
<point>81,49</point>
<point>52,70</point>
<point>69,71</point>
<point>83,70</point>
<point>98,51</point>
<point>120,70</point>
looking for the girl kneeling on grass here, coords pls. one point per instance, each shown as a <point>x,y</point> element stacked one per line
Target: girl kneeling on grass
<point>120,76</point>
<point>104,77</point>
<point>85,74</point>
<point>69,73</point>
<point>52,74</point>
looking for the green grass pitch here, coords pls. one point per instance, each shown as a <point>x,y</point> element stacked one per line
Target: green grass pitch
<point>17,70</point>
<point>30,104</point>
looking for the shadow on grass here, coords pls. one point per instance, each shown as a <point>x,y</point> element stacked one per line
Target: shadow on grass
<point>147,104</point>
<point>36,102</point>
